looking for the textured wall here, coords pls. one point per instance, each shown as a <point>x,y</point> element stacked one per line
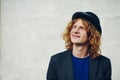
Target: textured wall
<point>31,31</point>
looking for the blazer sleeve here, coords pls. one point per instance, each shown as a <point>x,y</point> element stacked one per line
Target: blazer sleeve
<point>51,73</point>
<point>107,69</point>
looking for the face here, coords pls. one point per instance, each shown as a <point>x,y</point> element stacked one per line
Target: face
<point>78,33</point>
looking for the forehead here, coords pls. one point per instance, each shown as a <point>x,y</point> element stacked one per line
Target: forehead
<point>81,22</point>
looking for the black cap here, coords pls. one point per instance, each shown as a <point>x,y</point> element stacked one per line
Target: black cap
<point>90,16</point>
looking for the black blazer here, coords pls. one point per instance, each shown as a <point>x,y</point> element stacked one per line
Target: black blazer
<point>61,68</point>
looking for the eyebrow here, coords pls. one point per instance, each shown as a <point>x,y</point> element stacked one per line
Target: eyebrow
<point>79,26</point>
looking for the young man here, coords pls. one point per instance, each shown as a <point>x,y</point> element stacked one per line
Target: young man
<point>82,60</point>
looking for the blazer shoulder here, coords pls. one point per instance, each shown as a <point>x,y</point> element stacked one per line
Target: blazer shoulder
<point>104,60</point>
<point>61,55</point>
<point>101,57</point>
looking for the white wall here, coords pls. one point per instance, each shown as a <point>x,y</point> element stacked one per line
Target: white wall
<point>31,31</point>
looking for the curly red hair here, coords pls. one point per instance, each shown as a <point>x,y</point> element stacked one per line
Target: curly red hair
<point>94,38</point>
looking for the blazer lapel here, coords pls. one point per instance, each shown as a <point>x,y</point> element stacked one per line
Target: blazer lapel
<point>69,65</point>
<point>93,69</point>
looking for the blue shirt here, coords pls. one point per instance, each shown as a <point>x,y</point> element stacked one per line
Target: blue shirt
<point>81,68</point>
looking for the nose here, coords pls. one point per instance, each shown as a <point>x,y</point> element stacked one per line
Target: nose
<point>76,31</point>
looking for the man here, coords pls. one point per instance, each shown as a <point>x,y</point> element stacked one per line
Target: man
<point>82,60</point>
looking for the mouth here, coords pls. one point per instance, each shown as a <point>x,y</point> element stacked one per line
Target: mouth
<point>75,36</point>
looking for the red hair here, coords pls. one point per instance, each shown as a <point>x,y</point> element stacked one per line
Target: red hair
<point>94,38</point>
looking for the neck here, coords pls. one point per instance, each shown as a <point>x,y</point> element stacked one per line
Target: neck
<point>80,51</point>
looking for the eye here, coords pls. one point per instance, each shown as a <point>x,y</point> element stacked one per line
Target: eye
<point>74,26</point>
<point>81,27</point>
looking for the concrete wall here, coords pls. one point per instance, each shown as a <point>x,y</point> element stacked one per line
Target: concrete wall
<point>31,31</point>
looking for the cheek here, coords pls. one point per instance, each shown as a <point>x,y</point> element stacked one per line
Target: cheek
<point>70,35</point>
<point>71,32</point>
<point>85,35</point>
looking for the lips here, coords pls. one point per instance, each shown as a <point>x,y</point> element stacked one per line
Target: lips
<point>75,36</point>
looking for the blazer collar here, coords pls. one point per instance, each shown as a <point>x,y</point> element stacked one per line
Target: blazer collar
<point>69,66</point>
<point>93,69</point>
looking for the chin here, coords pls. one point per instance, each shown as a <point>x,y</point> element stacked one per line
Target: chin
<point>77,42</point>
<point>74,42</point>
<point>80,43</point>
